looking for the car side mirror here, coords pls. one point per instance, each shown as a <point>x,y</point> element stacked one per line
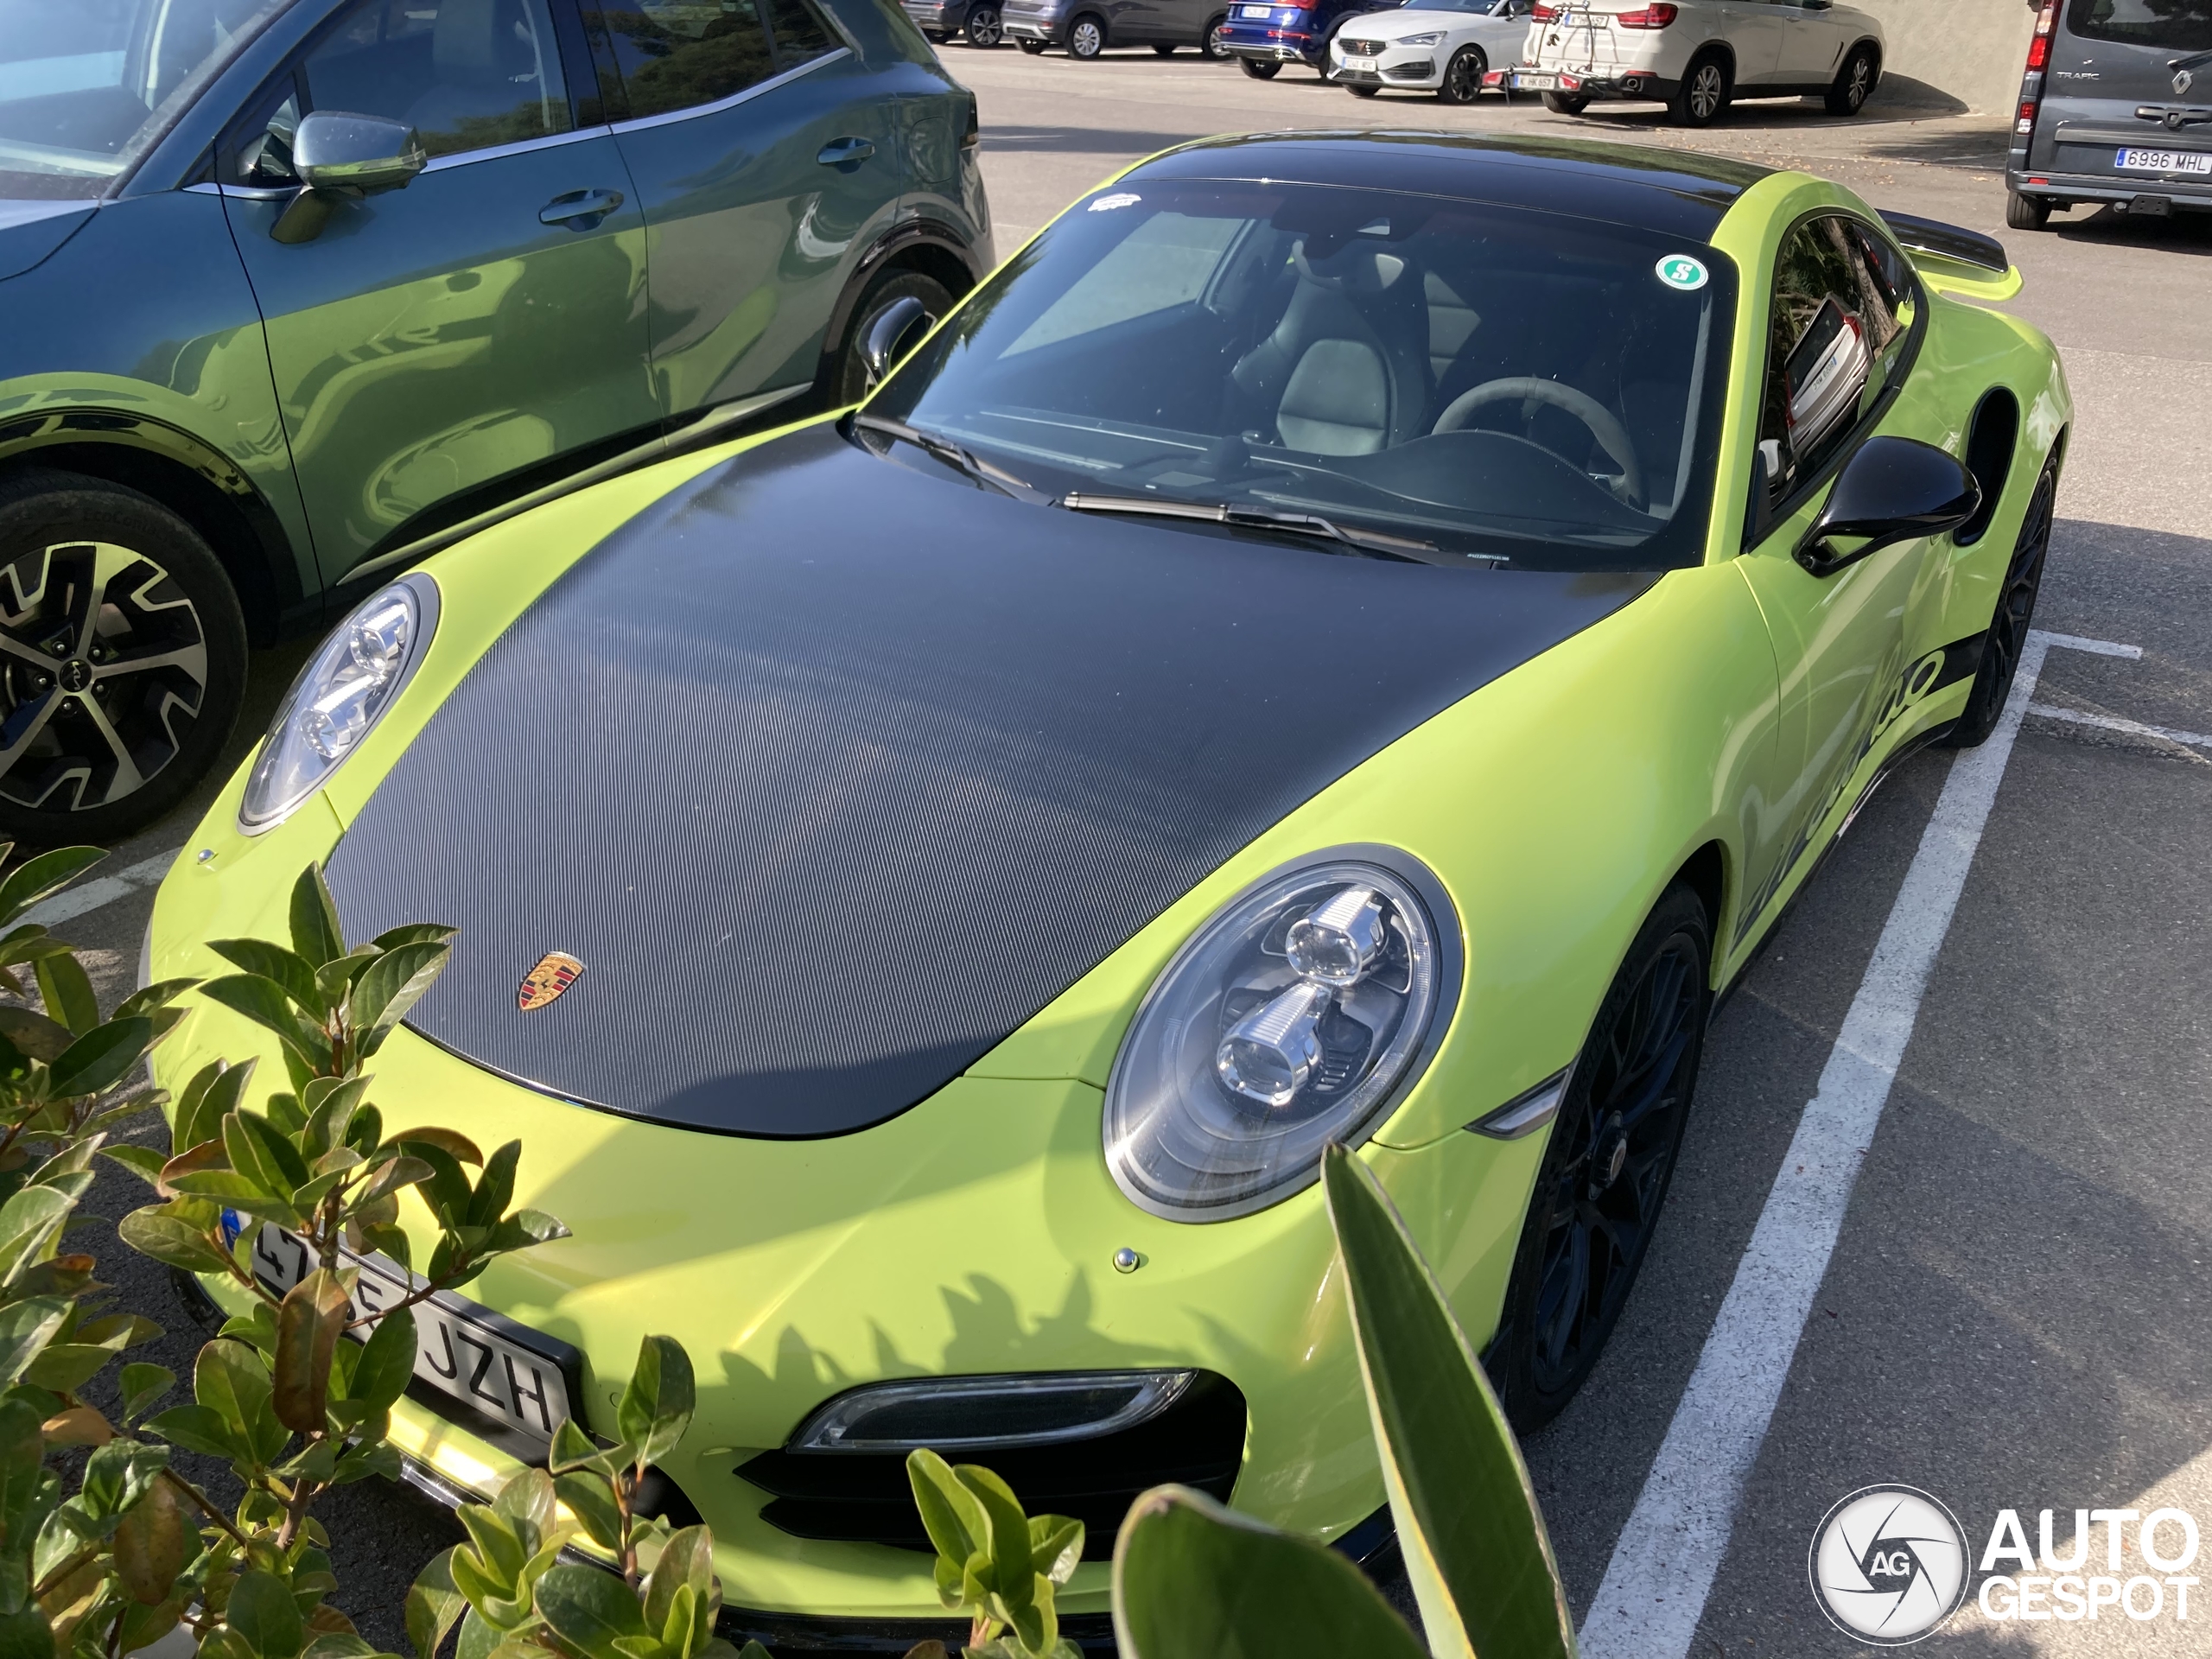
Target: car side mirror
<point>339,156</point>
<point>1889,491</point>
<point>893,332</point>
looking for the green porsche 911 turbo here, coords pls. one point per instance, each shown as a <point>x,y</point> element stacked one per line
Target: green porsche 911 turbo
<point>1343,638</point>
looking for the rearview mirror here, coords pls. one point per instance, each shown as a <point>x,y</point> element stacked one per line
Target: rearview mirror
<point>1889,491</point>
<point>338,156</point>
<point>893,334</point>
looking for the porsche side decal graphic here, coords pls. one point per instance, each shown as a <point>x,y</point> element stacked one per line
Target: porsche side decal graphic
<point>556,971</point>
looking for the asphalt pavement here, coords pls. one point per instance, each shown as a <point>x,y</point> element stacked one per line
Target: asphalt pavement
<point>2013,1315</point>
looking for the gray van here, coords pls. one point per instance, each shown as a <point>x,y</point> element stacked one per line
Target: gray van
<point>2116,107</point>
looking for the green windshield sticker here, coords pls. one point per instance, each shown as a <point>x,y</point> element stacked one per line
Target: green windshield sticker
<point>1679,270</point>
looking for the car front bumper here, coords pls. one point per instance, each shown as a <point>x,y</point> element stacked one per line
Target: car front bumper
<point>1416,67</point>
<point>974,1234</point>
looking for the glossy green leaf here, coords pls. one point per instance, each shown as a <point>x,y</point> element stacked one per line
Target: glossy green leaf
<point>308,1326</point>
<point>591,1500</point>
<point>386,1362</point>
<point>589,1609</point>
<point>1055,1546</point>
<point>152,1542</point>
<point>264,1615</point>
<point>1192,1579</point>
<point>435,1605</point>
<point>286,968</point>
<point>143,1161</point>
<point>29,1222</point>
<point>656,1409</point>
<point>33,1034</point>
<point>951,1514</point>
<point>150,999</point>
<point>1475,1549</point>
<point>202,1429</point>
<point>687,1560</point>
<point>143,1386</point>
<point>330,1106</point>
<point>316,934</point>
<point>26,1328</point>
<point>389,986</point>
<point>264,1002</point>
<point>234,1380</point>
<point>26,1635</point>
<point>159,1233</point>
<point>103,1057</point>
<point>67,991</point>
<point>42,877</point>
<point>214,1093</point>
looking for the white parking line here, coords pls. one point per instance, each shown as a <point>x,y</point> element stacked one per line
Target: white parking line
<point>77,901</point>
<point>1664,1561</point>
<point>2115,723</point>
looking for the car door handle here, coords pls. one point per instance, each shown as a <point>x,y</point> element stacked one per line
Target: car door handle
<point>580,210</point>
<point>847,153</point>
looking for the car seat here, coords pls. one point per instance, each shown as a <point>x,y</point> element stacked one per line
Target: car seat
<point>1346,371</point>
<point>487,59</point>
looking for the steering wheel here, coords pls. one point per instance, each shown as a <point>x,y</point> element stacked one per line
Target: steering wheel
<point>1611,435</point>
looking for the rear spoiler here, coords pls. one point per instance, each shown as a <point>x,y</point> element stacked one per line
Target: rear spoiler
<point>1954,259</point>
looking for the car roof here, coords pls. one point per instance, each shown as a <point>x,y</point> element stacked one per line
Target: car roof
<point>1677,193</point>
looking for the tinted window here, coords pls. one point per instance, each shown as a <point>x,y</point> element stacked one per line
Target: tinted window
<point>2174,25</point>
<point>1482,383</point>
<point>86,84</point>
<point>800,34</point>
<point>1842,299</point>
<point>465,75</point>
<point>674,55</point>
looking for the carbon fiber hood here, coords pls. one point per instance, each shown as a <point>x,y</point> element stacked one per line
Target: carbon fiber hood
<point>832,774</point>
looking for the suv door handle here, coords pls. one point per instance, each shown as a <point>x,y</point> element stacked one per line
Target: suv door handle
<point>580,210</point>
<point>847,153</point>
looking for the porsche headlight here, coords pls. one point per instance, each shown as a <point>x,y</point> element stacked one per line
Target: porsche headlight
<point>339,696</point>
<point>1434,37</point>
<point>1292,1019</point>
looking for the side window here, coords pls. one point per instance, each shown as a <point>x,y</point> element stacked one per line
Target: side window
<point>465,75</point>
<point>674,55</point>
<point>1842,303</point>
<point>800,32</point>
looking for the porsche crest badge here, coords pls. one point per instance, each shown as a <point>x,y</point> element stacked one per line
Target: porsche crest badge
<point>556,971</point>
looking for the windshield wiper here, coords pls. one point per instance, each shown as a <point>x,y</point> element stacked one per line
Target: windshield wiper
<point>1379,543</point>
<point>963,462</point>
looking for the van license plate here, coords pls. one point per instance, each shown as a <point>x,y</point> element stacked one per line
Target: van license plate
<point>2165,160</point>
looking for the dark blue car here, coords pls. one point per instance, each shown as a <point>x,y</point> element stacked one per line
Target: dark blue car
<point>1265,37</point>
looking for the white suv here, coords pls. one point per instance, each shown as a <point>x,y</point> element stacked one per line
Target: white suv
<point>1697,55</point>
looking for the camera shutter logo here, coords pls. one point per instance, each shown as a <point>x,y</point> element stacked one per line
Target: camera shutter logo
<point>1888,1565</point>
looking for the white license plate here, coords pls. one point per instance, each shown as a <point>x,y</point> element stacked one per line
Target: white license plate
<point>514,1375</point>
<point>1367,64</point>
<point>1255,11</point>
<point>1536,83</point>
<point>2165,160</point>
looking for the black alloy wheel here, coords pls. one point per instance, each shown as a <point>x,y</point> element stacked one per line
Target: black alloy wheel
<point>122,658</point>
<point>1086,37</point>
<point>983,27</point>
<point>1565,104</point>
<point>1854,83</point>
<point>848,380</point>
<point>1216,40</point>
<point>2008,626</point>
<point>1606,1168</point>
<point>1463,76</point>
<point>1261,69</point>
<point>1034,48</point>
<point>1703,96</point>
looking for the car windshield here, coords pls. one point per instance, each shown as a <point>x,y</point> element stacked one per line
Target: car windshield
<point>2173,25</point>
<point>86,85</point>
<point>1486,382</point>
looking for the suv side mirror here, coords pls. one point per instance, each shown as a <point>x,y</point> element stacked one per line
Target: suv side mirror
<point>337,155</point>
<point>894,332</point>
<point>1889,491</point>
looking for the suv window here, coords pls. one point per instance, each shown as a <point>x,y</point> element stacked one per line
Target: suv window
<point>676,54</point>
<point>2174,25</point>
<point>1842,305</point>
<point>465,75</point>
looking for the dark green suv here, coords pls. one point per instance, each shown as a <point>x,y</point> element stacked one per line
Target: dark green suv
<point>294,291</point>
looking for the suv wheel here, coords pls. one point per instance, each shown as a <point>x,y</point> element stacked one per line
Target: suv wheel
<point>2027,212</point>
<point>1854,83</point>
<point>848,380</point>
<point>1261,69</point>
<point>1086,37</point>
<point>983,27</point>
<point>1565,104</point>
<point>122,658</point>
<point>1703,96</point>
<point>1215,46</point>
